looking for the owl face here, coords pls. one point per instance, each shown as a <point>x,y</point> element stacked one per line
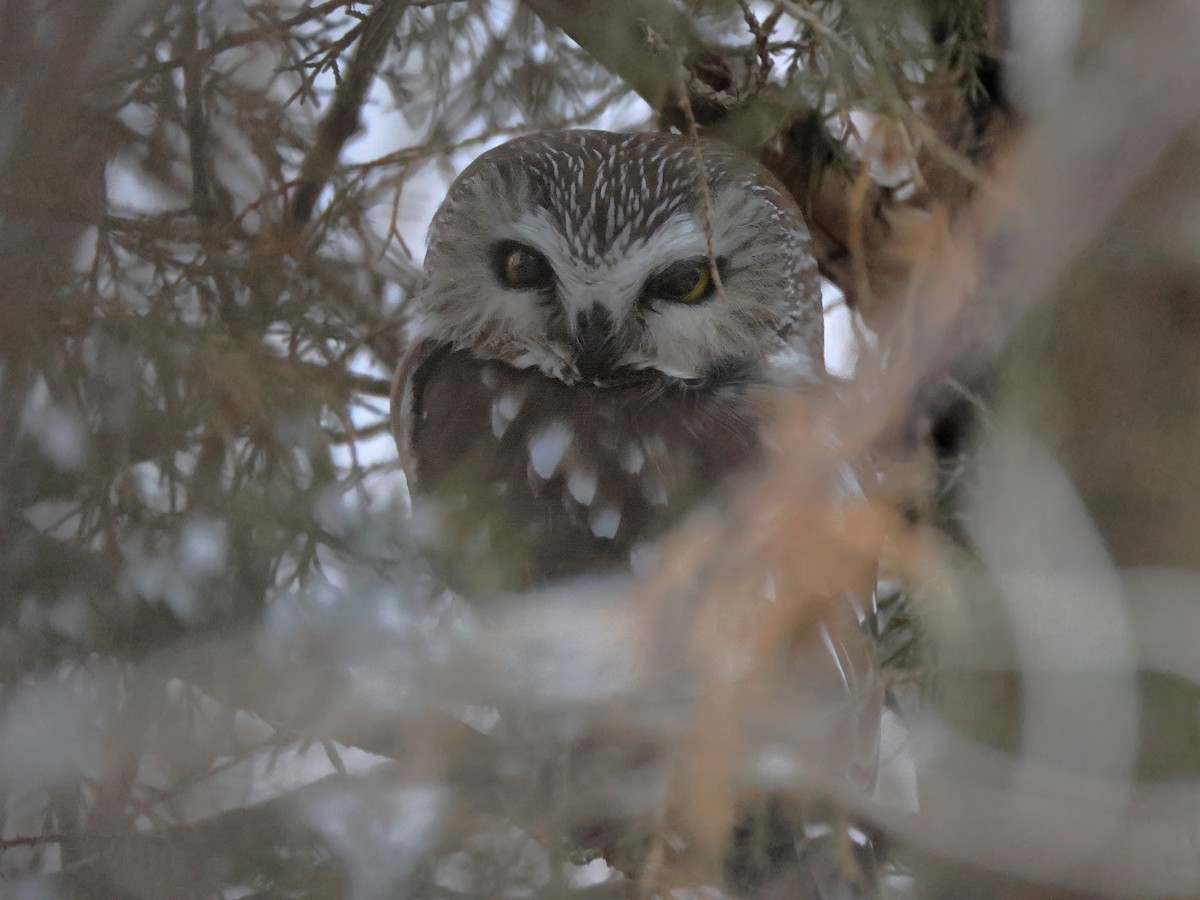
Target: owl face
<point>585,254</point>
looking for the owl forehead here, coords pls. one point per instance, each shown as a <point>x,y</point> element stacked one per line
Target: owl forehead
<point>601,196</point>
<point>609,199</point>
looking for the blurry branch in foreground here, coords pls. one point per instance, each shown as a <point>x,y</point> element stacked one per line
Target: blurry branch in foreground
<point>343,117</point>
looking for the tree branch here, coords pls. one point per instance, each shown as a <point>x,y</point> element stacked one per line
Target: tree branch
<point>342,120</point>
<point>281,29</point>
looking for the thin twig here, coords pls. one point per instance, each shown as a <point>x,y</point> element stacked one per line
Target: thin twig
<point>39,840</point>
<point>761,45</point>
<point>393,223</point>
<point>198,135</point>
<point>261,33</point>
<point>414,152</point>
<point>855,234</point>
<point>342,120</point>
<point>772,19</point>
<point>693,130</point>
<point>270,30</point>
<point>197,127</point>
<point>358,434</point>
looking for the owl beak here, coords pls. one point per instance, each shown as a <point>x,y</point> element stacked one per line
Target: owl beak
<point>594,340</point>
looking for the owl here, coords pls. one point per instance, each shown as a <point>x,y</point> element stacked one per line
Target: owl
<point>603,325</point>
<point>601,320</point>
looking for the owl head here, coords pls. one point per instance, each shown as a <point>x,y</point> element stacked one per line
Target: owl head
<point>586,254</point>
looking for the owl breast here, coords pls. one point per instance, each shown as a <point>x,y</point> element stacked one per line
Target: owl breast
<point>519,479</point>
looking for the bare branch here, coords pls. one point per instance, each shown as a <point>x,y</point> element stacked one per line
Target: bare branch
<point>197,127</point>
<point>280,29</point>
<point>341,121</point>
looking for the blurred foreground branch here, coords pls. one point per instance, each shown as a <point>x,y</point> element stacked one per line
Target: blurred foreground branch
<point>342,119</point>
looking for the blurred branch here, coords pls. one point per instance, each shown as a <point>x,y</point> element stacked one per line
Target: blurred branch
<point>199,154</point>
<point>193,859</point>
<point>417,152</point>
<point>279,29</point>
<point>617,34</point>
<point>197,127</point>
<point>35,840</point>
<point>342,120</point>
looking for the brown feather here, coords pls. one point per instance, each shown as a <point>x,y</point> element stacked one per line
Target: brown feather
<point>519,478</point>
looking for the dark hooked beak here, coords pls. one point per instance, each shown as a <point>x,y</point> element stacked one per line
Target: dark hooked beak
<point>594,340</point>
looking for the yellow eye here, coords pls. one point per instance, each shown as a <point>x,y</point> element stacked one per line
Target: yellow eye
<point>687,281</point>
<point>700,288</point>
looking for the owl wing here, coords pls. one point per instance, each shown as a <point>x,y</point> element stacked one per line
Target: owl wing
<point>402,400</point>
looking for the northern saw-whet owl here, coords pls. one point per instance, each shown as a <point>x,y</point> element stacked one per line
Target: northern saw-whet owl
<point>579,378</point>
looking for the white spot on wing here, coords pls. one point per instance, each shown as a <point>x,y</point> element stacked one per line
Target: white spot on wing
<point>632,458</point>
<point>654,491</point>
<point>504,410</point>
<point>547,446</point>
<point>605,521</point>
<point>499,422</point>
<point>655,445</point>
<point>510,404</point>
<point>582,486</point>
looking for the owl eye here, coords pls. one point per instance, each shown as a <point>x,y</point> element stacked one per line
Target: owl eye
<point>687,281</point>
<point>522,268</point>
